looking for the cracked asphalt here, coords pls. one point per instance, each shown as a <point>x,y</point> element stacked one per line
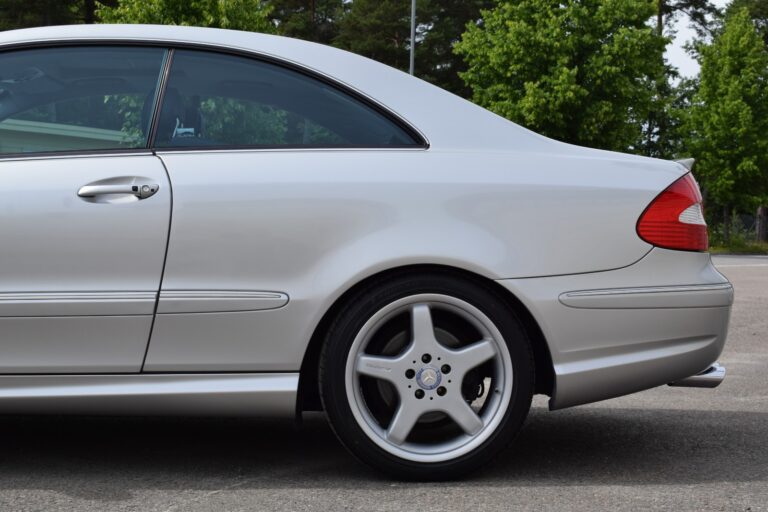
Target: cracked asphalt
<point>663,449</point>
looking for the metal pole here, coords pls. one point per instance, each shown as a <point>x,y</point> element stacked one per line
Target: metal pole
<point>413,36</point>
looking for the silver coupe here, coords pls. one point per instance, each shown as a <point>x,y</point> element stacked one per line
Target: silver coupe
<point>210,222</point>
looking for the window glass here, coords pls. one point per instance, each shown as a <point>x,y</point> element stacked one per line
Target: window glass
<point>77,98</point>
<point>223,100</point>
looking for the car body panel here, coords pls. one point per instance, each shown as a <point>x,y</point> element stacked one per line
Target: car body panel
<point>311,224</point>
<point>210,394</point>
<point>73,344</point>
<point>298,213</point>
<point>600,353</point>
<point>55,241</point>
<point>79,279</point>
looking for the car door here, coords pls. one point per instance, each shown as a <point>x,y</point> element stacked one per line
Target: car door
<point>85,208</point>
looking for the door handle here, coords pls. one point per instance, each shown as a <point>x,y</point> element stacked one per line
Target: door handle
<point>140,190</point>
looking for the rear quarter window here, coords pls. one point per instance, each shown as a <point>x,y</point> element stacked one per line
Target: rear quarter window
<point>215,99</point>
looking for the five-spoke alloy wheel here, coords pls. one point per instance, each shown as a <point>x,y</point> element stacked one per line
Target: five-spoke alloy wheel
<point>426,376</point>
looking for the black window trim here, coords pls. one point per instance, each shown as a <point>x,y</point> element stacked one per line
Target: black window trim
<point>421,140</point>
<point>157,107</point>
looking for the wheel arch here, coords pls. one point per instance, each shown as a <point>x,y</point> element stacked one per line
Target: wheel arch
<point>308,398</point>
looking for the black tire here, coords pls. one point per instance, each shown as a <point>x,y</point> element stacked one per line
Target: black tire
<point>360,308</point>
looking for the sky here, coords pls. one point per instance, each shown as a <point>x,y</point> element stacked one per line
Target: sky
<point>675,52</point>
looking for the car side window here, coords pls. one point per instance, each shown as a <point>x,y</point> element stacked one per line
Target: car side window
<point>215,99</point>
<point>77,98</point>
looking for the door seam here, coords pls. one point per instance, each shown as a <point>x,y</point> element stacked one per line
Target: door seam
<point>162,271</point>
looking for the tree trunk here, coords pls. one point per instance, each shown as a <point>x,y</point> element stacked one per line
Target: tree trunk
<point>726,225</point>
<point>660,17</point>
<point>761,227</point>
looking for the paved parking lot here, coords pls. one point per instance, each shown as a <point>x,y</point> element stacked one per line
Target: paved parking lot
<point>667,448</point>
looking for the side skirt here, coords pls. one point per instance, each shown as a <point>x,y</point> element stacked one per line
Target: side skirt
<point>265,394</point>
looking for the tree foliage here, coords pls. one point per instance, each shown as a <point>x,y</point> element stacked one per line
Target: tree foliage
<point>20,14</point>
<point>581,71</point>
<point>700,14</point>
<point>251,15</point>
<point>662,131</point>
<point>378,29</point>
<point>758,11</point>
<point>729,118</point>
<point>444,22</point>
<point>311,20</point>
<point>36,13</point>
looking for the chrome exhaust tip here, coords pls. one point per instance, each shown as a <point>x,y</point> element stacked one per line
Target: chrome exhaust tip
<point>709,378</point>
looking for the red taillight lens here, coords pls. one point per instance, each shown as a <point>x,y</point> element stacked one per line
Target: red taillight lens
<point>675,219</point>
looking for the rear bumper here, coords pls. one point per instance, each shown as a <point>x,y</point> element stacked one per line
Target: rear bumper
<point>661,320</point>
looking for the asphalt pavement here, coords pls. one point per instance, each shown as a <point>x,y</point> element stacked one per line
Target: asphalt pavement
<point>663,449</point>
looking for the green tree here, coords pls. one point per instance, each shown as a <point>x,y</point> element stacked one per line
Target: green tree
<point>700,13</point>
<point>311,20</point>
<point>581,71</point>
<point>729,118</point>
<point>662,134</point>
<point>444,21</point>
<point>250,15</point>
<point>758,10</point>
<point>34,13</point>
<point>378,29</point>
<point>37,13</point>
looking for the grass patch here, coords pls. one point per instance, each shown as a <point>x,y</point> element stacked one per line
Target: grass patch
<point>740,247</point>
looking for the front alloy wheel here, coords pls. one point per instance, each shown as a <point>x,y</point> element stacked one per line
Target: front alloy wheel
<point>426,377</point>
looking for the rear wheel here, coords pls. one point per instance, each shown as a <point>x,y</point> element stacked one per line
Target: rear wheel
<point>427,376</point>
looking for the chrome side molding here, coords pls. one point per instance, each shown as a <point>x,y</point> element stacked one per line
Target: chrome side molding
<point>19,304</point>
<point>216,301</point>
<point>709,378</point>
<point>651,297</point>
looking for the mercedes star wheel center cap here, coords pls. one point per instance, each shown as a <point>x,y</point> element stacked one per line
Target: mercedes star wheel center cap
<point>428,377</point>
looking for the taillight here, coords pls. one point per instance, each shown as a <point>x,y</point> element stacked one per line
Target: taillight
<point>675,219</point>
